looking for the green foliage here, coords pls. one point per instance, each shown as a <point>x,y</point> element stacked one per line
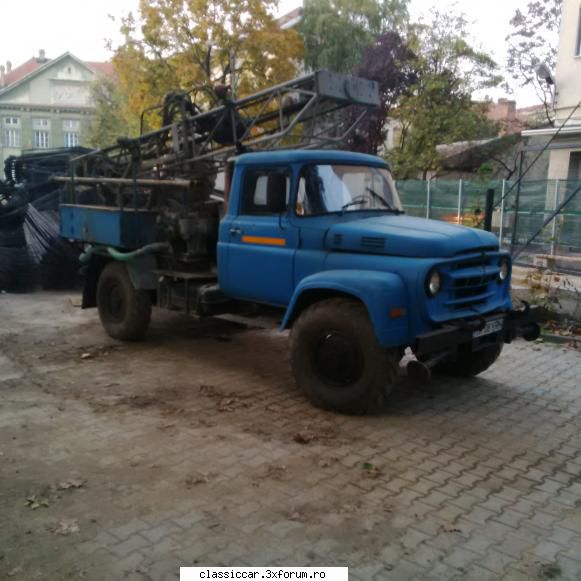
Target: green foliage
<point>194,44</point>
<point>110,120</point>
<point>337,32</point>
<point>439,109</point>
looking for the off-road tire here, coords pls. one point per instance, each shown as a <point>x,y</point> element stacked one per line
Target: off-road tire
<point>470,363</point>
<point>124,311</point>
<point>368,392</point>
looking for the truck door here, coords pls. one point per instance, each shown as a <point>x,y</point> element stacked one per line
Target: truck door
<point>262,243</point>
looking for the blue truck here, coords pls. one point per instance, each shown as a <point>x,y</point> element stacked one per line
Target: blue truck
<point>317,237</point>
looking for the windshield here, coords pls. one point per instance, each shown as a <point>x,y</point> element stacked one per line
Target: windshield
<point>345,188</point>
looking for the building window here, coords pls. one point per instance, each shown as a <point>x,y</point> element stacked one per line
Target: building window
<point>71,124</point>
<point>71,139</point>
<point>12,137</point>
<point>11,121</point>
<point>574,166</point>
<point>11,133</point>
<point>41,123</point>
<point>40,139</point>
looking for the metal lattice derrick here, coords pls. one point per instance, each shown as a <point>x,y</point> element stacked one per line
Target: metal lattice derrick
<point>186,154</point>
<point>296,114</point>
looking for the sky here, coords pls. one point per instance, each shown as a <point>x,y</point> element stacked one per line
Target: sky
<point>82,27</point>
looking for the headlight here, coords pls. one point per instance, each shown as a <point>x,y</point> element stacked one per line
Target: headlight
<point>504,269</point>
<point>433,283</point>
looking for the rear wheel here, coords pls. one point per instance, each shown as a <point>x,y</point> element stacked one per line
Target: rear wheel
<point>124,311</point>
<point>337,360</point>
<point>469,363</point>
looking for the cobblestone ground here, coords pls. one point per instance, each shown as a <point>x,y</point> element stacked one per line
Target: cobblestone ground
<point>195,448</point>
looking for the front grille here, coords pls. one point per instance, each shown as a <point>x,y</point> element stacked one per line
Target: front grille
<point>473,262</point>
<point>469,283</point>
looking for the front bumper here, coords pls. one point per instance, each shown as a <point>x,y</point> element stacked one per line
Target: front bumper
<point>522,323</point>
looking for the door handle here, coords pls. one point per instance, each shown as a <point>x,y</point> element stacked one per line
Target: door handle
<point>235,231</point>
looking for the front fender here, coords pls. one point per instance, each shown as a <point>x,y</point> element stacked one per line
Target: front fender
<point>380,292</point>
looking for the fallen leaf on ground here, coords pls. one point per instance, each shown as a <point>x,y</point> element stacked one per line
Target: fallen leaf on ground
<point>304,437</point>
<point>71,483</point>
<point>208,390</point>
<point>195,480</point>
<point>371,470</point>
<point>225,405</point>
<point>65,528</point>
<point>275,472</point>
<point>326,462</point>
<point>35,502</point>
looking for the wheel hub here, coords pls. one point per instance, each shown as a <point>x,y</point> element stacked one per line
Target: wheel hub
<point>116,302</point>
<point>337,359</point>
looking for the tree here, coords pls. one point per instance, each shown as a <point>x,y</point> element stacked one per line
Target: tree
<point>194,44</point>
<point>337,32</point>
<point>388,61</point>
<point>439,108</point>
<point>112,117</point>
<point>533,41</point>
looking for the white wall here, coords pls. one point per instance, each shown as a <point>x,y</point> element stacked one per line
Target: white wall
<point>568,73</point>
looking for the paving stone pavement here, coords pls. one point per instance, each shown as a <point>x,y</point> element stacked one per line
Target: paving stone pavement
<point>195,448</point>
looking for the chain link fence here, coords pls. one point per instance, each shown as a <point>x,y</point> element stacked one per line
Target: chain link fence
<point>519,213</point>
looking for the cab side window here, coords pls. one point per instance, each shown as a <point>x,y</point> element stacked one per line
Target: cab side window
<point>266,192</point>
<point>310,194</point>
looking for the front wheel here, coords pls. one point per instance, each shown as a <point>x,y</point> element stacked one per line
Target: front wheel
<point>124,311</point>
<point>469,363</point>
<point>337,360</point>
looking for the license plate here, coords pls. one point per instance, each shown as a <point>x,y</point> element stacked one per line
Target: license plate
<point>490,327</point>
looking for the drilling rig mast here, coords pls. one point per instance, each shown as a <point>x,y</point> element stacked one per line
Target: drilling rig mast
<point>167,177</point>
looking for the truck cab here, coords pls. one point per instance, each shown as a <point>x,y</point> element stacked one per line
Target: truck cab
<point>322,238</point>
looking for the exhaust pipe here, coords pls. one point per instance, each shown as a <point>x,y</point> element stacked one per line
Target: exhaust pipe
<point>418,372</point>
<point>421,371</point>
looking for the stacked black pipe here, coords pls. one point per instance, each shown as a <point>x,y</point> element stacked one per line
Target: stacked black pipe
<point>18,271</point>
<point>57,260</point>
<point>32,254</point>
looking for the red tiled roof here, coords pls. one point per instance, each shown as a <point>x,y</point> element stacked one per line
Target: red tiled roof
<point>292,17</point>
<point>33,64</point>
<point>24,69</point>
<point>106,69</point>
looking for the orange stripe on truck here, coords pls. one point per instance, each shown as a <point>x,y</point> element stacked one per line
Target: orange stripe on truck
<point>264,240</point>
